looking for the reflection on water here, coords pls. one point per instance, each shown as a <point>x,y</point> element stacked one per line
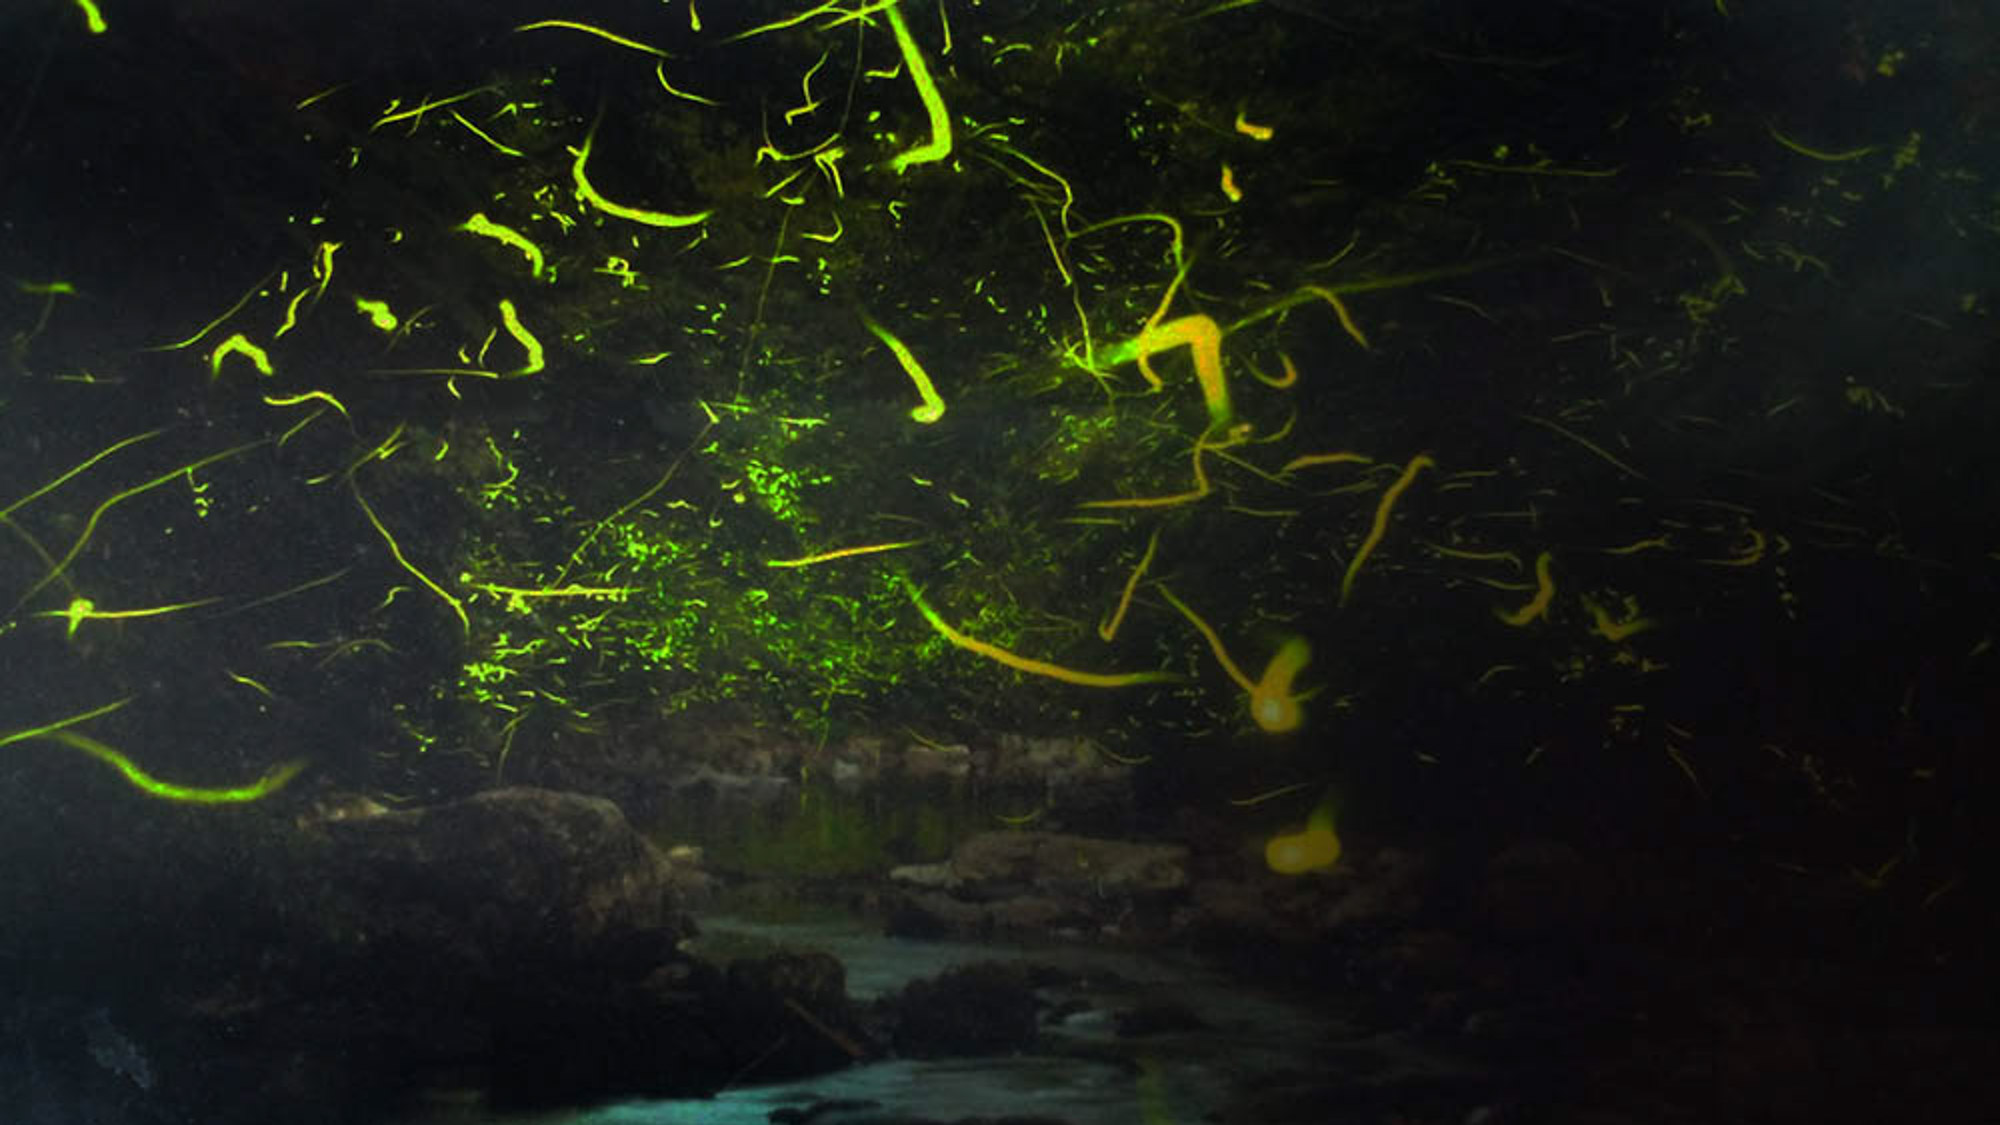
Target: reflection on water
<point>1082,1072</point>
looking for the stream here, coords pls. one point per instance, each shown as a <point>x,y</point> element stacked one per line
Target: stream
<point>1082,1072</point>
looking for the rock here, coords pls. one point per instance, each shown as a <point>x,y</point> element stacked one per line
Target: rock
<point>793,1007</point>
<point>1372,891</point>
<point>1037,883</point>
<point>482,886</point>
<point>527,938</point>
<point>931,876</point>
<point>1071,777</point>
<point>928,916</point>
<point>687,877</point>
<point>1000,863</point>
<point>925,762</point>
<point>1384,887</point>
<point>987,1008</point>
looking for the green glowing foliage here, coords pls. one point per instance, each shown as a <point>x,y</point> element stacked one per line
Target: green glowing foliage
<point>675,602</point>
<point>779,489</point>
<point>755,573</point>
<point>1079,438</point>
<point>667,475</point>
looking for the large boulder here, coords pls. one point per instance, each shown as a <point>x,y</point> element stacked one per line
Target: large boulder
<point>321,963</point>
<point>1038,882</point>
<point>478,888</point>
<point>998,863</point>
<point>522,941</point>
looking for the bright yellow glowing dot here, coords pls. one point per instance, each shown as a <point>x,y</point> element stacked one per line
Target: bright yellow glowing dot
<point>1299,852</point>
<point>1314,849</point>
<point>1272,703</point>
